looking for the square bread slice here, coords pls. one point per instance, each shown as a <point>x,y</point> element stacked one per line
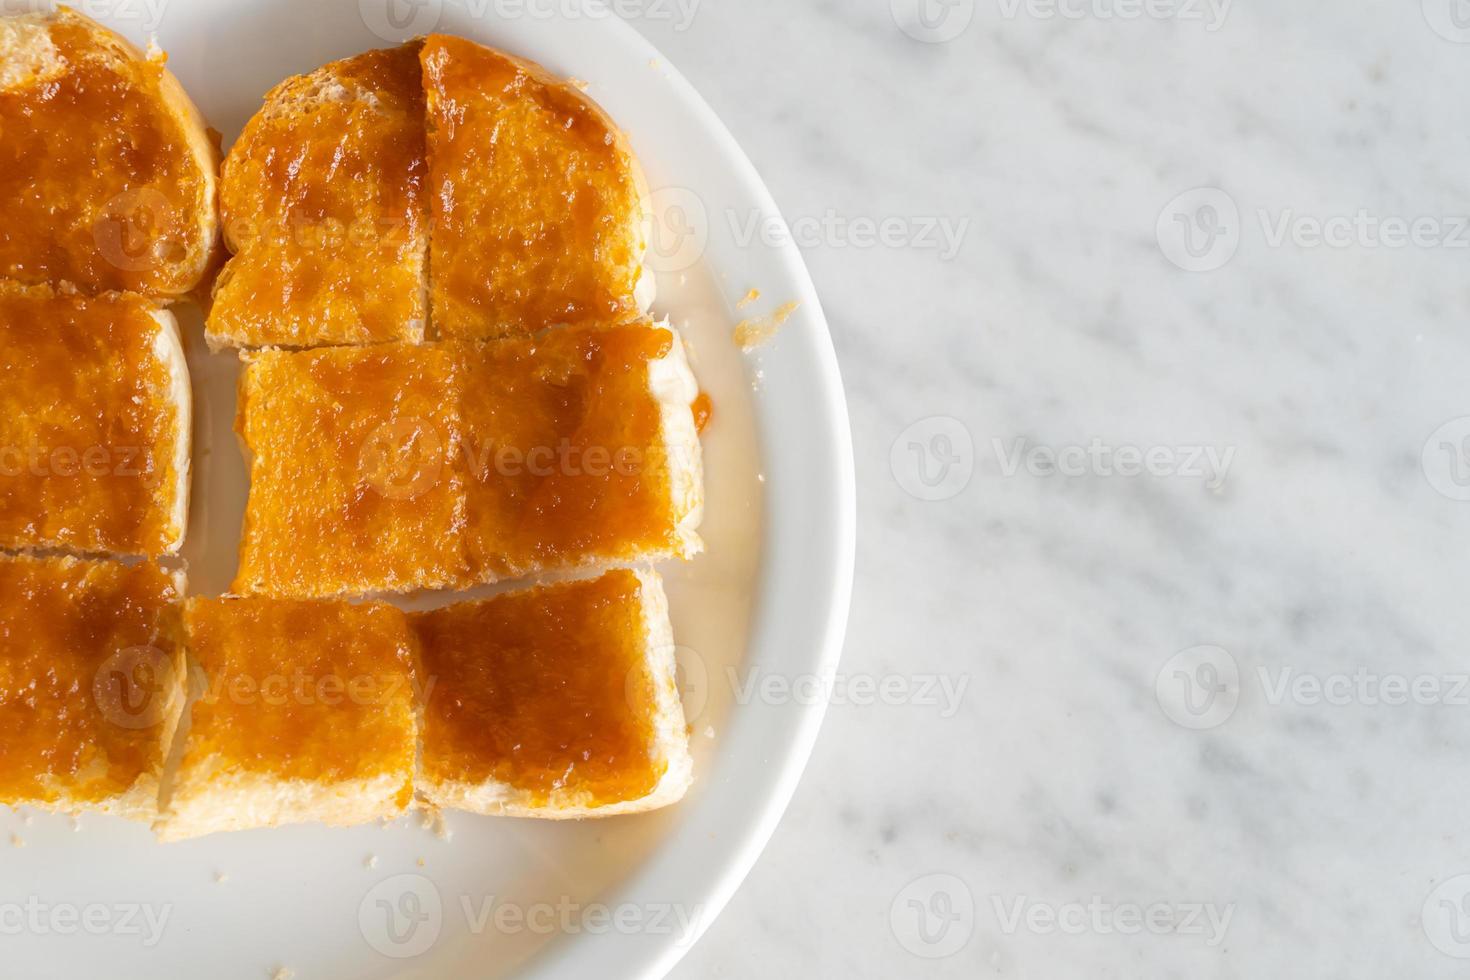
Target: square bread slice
<point>398,467</point>
<point>581,451</point>
<point>301,711</point>
<point>91,683</point>
<point>94,423</point>
<point>353,483</point>
<point>557,702</point>
<point>107,171</point>
<point>322,201</point>
<point>539,208</point>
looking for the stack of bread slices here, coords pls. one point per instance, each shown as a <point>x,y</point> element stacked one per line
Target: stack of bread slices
<point>434,280</point>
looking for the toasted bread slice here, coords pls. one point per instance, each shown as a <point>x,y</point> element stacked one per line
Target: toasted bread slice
<point>94,423</point>
<point>557,702</point>
<point>539,208</point>
<point>353,483</point>
<point>91,683</point>
<point>581,451</point>
<point>302,711</point>
<point>399,467</point>
<point>322,201</point>
<point>107,172</point>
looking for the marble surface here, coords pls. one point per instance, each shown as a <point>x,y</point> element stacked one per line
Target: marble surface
<point>1161,456</point>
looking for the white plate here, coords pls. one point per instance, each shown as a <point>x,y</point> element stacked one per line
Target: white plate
<point>759,616</point>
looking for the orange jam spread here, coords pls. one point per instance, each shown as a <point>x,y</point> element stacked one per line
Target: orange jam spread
<point>90,678</point>
<point>545,691</point>
<point>98,184</point>
<point>319,691</point>
<point>702,408</point>
<point>88,432</point>
<point>402,467</point>
<point>322,198</point>
<point>353,487</point>
<point>565,450</point>
<point>537,206</point>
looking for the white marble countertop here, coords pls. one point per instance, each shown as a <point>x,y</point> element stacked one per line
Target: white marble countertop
<point>1179,678</point>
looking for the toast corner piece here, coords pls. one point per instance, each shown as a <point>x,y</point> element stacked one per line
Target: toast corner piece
<point>152,229</point>
<point>490,276</point>
<point>93,650</point>
<point>338,242</point>
<point>265,742</point>
<point>650,688</point>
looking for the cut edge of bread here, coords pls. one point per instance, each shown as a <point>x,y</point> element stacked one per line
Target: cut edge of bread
<point>674,387</point>
<point>169,348</point>
<point>670,742</point>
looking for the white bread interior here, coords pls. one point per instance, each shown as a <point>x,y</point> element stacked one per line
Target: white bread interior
<point>170,350</point>
<point>674,387</point>
<point>671,742</point>
<point>29,57</point>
